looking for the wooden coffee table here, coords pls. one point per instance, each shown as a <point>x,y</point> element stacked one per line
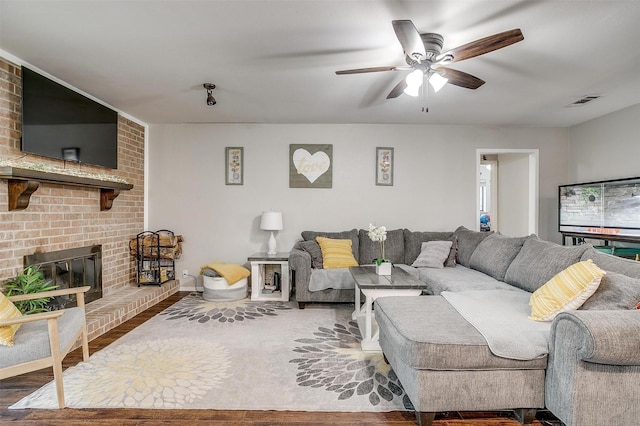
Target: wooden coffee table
<point>399,283</point>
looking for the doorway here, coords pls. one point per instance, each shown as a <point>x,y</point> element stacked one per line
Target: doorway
<point>507,190</point>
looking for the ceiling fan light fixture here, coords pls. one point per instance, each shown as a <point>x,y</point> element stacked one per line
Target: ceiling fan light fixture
<point>437,81</point>
<point>414,82</point>
<point>414,79</point>
<point>412,91</point>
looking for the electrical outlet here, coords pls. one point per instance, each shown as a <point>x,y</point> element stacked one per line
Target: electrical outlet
<point>185,272</point>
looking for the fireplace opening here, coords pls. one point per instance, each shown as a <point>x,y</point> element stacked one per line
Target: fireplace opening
<point>70,268</point>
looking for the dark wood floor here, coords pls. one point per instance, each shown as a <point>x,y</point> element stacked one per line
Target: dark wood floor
<point>13,389</point>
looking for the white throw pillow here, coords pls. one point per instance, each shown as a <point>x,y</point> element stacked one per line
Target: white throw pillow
<point>433,254</point>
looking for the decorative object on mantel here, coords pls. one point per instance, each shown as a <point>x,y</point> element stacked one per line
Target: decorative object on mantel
<point>379,234</point>
<point>271,221</point>
<point>25,178</point>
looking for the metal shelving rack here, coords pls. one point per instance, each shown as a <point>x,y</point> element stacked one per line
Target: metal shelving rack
<point>153,267</point>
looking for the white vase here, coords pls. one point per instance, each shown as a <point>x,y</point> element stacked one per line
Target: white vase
<point>384,268</point>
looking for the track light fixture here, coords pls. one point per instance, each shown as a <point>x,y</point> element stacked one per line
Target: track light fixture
<point>211,101</point>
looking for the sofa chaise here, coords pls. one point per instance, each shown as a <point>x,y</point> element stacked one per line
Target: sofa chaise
<point>584,366</point>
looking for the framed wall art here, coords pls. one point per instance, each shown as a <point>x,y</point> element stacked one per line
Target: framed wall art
<point>384,166</point>
<point>310,166</point>
<point>234,170</point>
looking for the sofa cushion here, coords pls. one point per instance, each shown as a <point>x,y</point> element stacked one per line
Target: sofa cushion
<point>468,240</point>
<point>344,235</point>
<point>495,253</point>
<point>616,291</point>
<point>611,263</point>
<point>413,242</point>
<point>568,290</point>
<point>313,248</point>
<point>393,247</point>
<point>457,279</point>
<point>539,261</point>
<point>427,333</point>
<point>433,255</point>
<point>336,253</point>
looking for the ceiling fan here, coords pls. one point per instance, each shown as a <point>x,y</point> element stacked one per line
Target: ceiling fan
<point>423,53</point>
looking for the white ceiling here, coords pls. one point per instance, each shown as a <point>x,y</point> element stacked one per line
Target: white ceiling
<point>274,61</point>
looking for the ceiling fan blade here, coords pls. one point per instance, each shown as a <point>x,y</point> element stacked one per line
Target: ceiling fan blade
<point>363,70</point>
<point>398,90</point>
<point>483,45</point>
<point>459,78</point>
<point>409,38</point>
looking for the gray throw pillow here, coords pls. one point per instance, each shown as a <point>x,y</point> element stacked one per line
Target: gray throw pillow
<point>468,240</point>
<point>539,261</point>
<point>433,254</point>
<point>345,235</point>
<point>452,260</point>
<point>313,248</point>
<point>393,247</point>
<point>494,254</point>
<point>616,291</point>
<point>611,263</point>
<point>413,242</point>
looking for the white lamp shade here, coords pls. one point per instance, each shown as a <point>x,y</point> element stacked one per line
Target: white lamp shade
<point>437,81</point>
<point>271,221</point>
<point>414,82</point>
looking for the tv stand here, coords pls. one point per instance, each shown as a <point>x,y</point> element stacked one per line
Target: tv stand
<point>605,237</point>
<point>626,252</point>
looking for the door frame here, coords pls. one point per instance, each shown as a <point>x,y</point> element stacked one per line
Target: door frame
<point>533,182</point>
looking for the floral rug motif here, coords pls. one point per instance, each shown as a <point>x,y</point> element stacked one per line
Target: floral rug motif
<point>262,356</point>
<point>333,360</point>
<point>195,308</point>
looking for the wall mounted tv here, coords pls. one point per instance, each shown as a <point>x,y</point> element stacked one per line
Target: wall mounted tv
<point>58,122</point>
<point>607,209</point>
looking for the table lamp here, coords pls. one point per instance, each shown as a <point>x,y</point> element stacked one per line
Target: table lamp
<point>271,221</point>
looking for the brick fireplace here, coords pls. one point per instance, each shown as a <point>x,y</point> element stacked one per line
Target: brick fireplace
<point>67,217</point>
<point>76,267</point>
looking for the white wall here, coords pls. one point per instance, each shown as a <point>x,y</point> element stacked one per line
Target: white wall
<point>606,148</point>
<point>513,194</point>
<point>434,182</point>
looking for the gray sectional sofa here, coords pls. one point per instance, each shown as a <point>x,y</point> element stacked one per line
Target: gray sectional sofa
<point>469,346</point>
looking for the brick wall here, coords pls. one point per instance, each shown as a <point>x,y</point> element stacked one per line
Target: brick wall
<point>65,216</point>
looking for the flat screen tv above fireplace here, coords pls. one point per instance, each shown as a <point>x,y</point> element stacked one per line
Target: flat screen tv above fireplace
<point>609,209</point>
<point>58,122</point>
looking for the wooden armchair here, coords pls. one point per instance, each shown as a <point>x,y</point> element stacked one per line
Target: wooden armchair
<point>43,340</point>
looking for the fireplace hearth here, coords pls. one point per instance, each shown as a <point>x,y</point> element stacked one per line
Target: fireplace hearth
<point>70,268</point>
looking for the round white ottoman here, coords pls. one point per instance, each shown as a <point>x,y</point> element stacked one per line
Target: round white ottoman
<point>217,289</point>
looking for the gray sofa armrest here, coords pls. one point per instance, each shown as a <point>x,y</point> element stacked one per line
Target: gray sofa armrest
<point>593,367</point>
<point>608,337</point>
<point>300,263</point>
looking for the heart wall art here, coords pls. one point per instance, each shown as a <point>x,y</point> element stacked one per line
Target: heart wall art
<point>310,166</point>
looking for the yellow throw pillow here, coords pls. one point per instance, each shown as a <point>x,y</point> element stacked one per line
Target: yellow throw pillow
<point>336,253</point>
<point>568,290</point>
<point>7,311</point>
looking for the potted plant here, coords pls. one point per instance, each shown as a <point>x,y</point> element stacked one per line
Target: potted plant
<point>29,281</point>
<point>379,234</point>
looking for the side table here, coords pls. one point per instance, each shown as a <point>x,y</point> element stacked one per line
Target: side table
<point>270,276</point>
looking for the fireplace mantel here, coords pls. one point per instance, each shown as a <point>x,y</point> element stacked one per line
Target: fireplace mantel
<point>24,182</point>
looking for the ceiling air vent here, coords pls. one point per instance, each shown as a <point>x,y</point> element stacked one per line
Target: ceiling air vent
<point>584,100</point>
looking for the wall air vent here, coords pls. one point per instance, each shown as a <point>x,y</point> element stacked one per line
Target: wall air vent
<point>584,100</point>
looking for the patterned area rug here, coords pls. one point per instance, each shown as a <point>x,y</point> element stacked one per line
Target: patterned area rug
<point>234,355</point>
